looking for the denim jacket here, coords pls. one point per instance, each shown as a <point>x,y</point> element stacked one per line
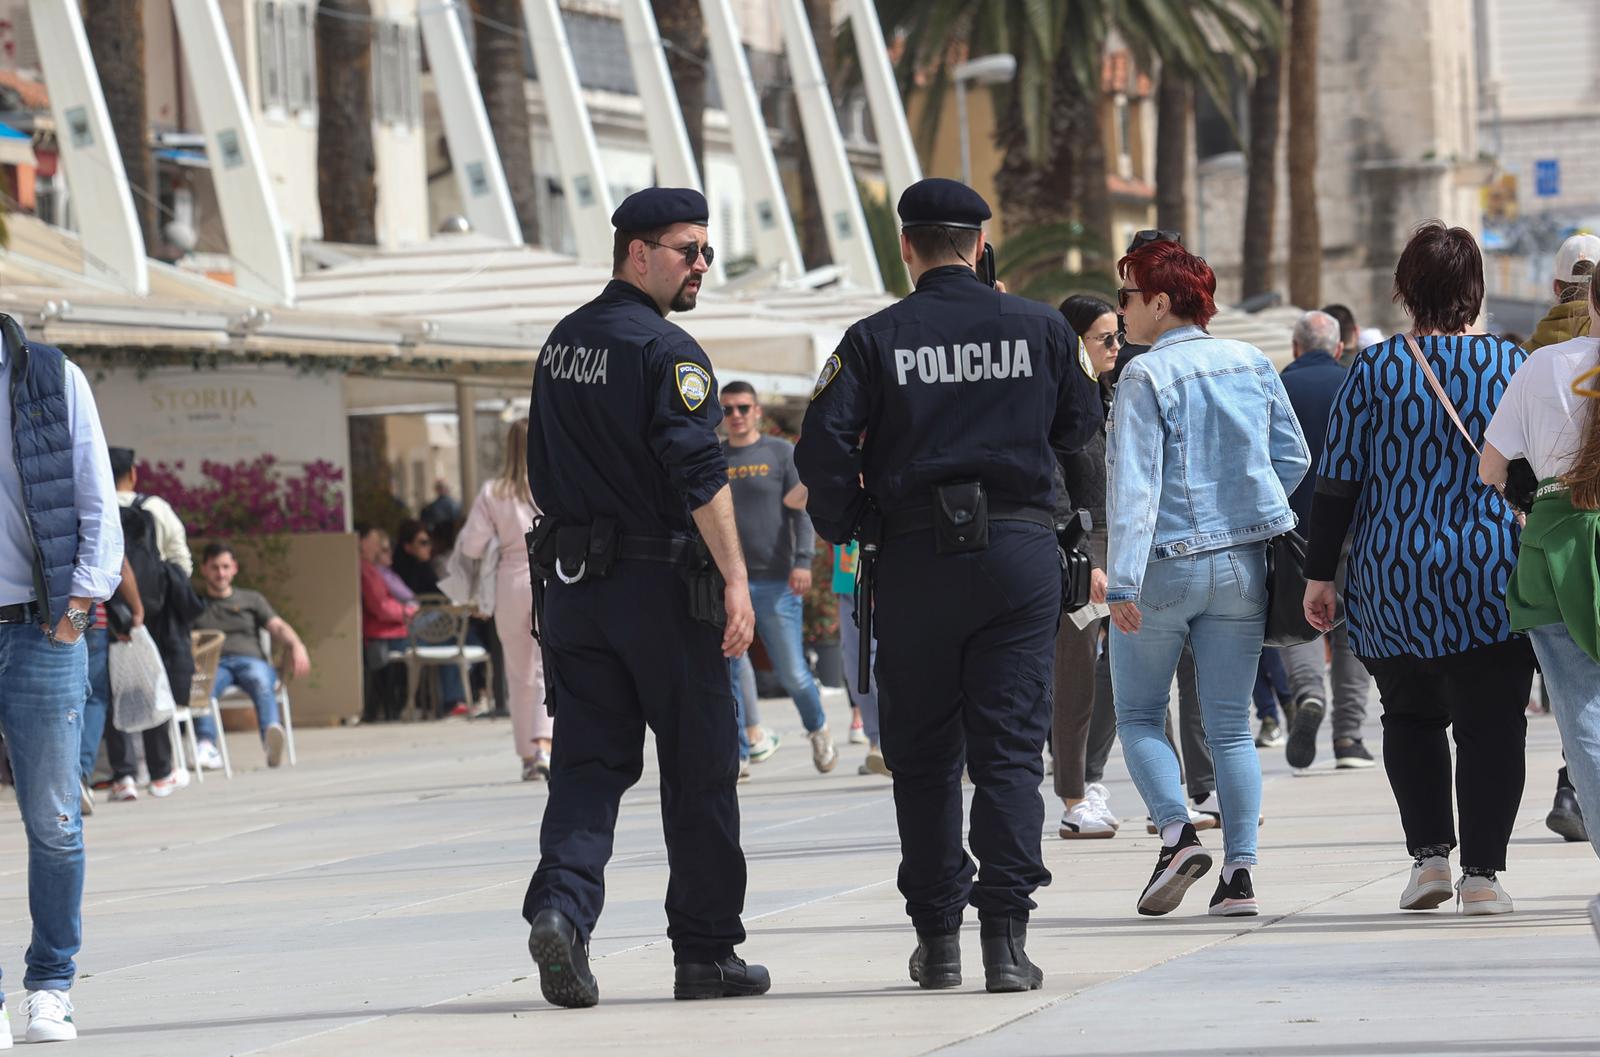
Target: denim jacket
<point>1202,451</point>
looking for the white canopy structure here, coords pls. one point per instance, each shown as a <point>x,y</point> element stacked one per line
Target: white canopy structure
<point>775,338</point>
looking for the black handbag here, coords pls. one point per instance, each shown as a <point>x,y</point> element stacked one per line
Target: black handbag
<point>1286,594</point>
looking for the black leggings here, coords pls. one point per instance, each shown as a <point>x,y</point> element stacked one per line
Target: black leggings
<point>1483,695</point>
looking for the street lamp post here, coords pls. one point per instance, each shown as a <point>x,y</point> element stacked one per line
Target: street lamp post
<point>986,69</point>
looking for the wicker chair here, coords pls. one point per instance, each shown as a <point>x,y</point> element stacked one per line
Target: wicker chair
<point>207,646</point>
<point>438,637</point>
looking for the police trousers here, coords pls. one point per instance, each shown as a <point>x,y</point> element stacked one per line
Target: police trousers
<point>623,653</point>
<point>965,660</point>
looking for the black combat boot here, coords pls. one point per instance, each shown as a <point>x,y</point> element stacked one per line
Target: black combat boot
<point>727,977</point>
<point>936,963</point>
<point>563,962</point>
<point>1005,964</point>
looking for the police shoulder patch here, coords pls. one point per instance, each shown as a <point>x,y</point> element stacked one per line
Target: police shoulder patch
<point>830,371</point>
<point>694,384</point>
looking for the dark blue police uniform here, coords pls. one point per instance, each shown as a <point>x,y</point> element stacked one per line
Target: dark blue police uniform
<point>622,426</point>
<point>957,382</point>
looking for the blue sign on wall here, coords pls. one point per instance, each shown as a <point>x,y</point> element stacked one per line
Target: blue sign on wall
<point>1547,177</point>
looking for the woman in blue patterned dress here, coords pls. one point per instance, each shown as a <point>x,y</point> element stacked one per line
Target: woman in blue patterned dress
<point>1432,552</point>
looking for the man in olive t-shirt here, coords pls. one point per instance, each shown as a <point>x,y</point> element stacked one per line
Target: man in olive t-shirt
<point>242,615</point>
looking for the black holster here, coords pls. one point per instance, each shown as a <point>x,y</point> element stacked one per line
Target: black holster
<point>541,541</point>
<point>707,588</point>
<point>960,517</point>
<point>1076,566</point>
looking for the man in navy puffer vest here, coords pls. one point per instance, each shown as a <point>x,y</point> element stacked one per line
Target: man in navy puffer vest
<point>60,553</point>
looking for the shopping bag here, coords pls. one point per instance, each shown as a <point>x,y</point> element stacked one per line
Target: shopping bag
<point>141,696</point>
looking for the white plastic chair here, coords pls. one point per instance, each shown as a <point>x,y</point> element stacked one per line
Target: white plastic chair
<point>235,697</point>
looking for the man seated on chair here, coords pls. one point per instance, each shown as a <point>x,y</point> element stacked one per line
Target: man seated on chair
<point>242,615</point>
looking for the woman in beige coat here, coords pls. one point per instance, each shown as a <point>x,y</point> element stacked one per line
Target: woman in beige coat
<point>504,511</point>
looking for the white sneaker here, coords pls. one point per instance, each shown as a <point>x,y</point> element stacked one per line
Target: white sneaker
<point>5,1028</point>
<point>207,758</point>
<point>1198,819</point>
<point>1099,797</point>
<point>874,764</point>
<point>765,746</point>
<point>1477,895</point>
<point>125,789</point>
<point>1429,885</point>
<point>274,739</point>
<point>823,754</point>
<point>744,770</point>
<point>49,1017</point>
<point>1081,821</point>
<point>163,787</point>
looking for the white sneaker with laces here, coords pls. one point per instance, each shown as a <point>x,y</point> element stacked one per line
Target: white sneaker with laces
<point>49,1017</point>
<point>1081,822</point>
<point>1477,895</point>
<point>1429,885</point>
<point>5,1028</point>
<point>273,739</point>
<point>823,754</point>
<point>1099,797</point>
<point>207,758</point>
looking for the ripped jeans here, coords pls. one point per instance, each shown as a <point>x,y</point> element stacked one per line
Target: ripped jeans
<point>43,688</point>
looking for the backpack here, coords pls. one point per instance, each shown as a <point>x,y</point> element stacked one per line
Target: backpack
<point>139,547</point>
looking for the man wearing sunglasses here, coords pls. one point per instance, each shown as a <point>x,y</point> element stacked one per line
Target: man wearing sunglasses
<point>965,395</point>
<point>778,545</point>
<point>624,462</point>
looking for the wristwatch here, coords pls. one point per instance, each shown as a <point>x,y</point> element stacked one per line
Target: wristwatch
<point>79,619</point>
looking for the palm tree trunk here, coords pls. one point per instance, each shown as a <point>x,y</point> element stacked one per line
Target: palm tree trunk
<point>814,248</point>
<point>683,31</point>
<point>1092,206</point>
<point>503,83</point>
<point>1261,190</point>
<point>1305,230</point>
<point>115,29</point>
<point>346,165</point>
<point>1174,150</point>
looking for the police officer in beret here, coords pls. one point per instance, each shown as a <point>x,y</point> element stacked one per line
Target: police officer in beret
<point>952,406</point>
<point>634,621</point>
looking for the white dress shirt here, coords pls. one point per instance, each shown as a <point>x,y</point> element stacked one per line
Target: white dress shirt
<point>99,564</point>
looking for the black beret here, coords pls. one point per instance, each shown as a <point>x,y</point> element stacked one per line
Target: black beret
<point>943,203</point>
<point>660,207</point>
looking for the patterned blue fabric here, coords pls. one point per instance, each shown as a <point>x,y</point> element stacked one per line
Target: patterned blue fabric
<point>1434,546</point>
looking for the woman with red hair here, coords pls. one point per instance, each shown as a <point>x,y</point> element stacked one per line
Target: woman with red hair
<point>1203,450</point>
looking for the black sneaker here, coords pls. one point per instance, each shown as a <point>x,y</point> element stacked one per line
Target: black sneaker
<point>564,976</point>
<point>1566,817</point>
<point>1235,898</point>
<point>1350,752</point>
<point>727,977</point>
<point>1302,749</point>
<point>936,963</point>
<point>1178,866</point>
<point>1005,964</point>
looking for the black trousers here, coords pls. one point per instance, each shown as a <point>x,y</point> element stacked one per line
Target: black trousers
<point>1482,696</point>
<point>966,659</point>
<point>623,653</point>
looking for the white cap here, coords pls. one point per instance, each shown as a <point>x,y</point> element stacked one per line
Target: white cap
<point>1575,249</point>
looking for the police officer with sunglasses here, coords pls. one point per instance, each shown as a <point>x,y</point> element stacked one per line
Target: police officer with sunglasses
<point>931,436</point>
<point>640,593</point>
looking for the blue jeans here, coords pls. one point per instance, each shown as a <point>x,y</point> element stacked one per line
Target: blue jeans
<point>734,664</point>
<point>1219,600</point>
<point>1573,679</point>
<point>780,623</point>
<point>97,702</point>
<point>43,687</point>
<point>252,675</point>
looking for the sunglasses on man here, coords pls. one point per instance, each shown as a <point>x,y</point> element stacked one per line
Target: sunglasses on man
<point>691,252</point>
<point>737,409</point>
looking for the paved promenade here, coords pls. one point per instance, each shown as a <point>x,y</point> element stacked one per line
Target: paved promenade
<point>368,902</point>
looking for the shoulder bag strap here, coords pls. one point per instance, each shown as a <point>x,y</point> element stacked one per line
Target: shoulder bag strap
<point>1438,391</point>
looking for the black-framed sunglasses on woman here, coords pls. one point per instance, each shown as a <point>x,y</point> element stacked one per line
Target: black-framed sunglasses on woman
<point>691,252</point>
<point>1148,235</point>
